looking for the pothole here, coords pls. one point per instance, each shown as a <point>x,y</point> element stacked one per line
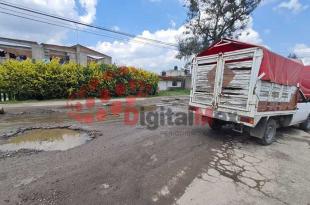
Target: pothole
<point>45,140</point>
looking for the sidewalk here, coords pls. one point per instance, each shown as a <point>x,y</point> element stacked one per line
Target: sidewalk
<point>64,102</point>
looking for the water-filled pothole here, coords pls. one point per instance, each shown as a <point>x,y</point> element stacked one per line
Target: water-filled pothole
<point>45,140</point>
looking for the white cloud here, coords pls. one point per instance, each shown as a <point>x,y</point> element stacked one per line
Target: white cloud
<point>293,5</point>
<point>145,55</point>
<point>266,2</point>
<point>250,35</point>
<point>303,52</point>
<point>154,58</point>
<point>90,9</point>
<point>158,59</point>
<point>15,27</point>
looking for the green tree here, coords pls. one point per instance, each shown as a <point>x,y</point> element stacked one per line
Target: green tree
<point>210,20</point>
<point>292,56</point>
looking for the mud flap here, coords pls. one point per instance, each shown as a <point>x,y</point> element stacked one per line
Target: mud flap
<point>259,130</point>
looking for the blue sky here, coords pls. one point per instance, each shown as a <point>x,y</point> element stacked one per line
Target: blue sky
<point>136,16</point>
<point>282,25</point>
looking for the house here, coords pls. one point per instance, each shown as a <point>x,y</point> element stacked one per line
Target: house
<point>175,78</point>
<point>22,49</point>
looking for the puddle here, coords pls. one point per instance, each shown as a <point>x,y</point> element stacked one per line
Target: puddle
<point>45,140</point>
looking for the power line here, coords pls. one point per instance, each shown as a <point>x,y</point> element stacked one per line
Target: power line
<point>81,30</point>
<point>84,24</point>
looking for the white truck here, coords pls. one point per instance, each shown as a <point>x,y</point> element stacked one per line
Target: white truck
<point>251,88</point>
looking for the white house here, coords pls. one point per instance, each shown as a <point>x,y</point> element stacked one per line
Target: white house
<point>175,79</point>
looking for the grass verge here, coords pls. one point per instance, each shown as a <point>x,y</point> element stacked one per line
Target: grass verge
<point>174,92</point>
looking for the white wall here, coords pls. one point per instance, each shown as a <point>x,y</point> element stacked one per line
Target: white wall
<point>163,85</point>
<point>166,85</point>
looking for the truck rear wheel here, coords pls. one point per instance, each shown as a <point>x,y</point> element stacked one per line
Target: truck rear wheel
<point>306,125</point>
<point>270,132</point>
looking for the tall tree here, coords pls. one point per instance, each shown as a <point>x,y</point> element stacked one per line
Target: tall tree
<point>211,20</point>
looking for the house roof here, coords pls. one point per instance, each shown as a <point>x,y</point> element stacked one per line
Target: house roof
<point>90,50</point>
<point>17,41</point>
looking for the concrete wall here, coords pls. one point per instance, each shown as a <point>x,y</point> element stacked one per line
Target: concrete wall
<point>72,57</point>
<point>37,52</point>
<point>107,60</point>
<point>188,82</point>
<point>163,85</point>
<point>166,85</point>
<point>78,53</point>
<point>82,59</point>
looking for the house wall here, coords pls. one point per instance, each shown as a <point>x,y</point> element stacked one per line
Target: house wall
<point>78,53</point>
<point>37,52</point>
<point>72,57</point>
<point>83,59</point>
<point>163,85</point>
<point>188,82</point>
<point>107,60</point>
<point>166,85</point>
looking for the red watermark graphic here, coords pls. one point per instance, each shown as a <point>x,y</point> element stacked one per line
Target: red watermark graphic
<point>92,110</point>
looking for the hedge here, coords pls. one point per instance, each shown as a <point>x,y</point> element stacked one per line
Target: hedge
<point>24,80</point>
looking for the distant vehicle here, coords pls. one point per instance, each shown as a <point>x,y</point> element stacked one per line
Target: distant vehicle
<point>251,88</point>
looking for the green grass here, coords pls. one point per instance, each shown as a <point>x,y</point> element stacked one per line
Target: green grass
<point>27,101</point>
<point>174,92</point>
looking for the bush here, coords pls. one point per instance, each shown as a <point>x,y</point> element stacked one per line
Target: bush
<point>28,80</point>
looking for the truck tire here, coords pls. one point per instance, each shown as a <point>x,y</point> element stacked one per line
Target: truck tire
<point>306,125</point>
<point>215,124</point>
<point>270,132</point>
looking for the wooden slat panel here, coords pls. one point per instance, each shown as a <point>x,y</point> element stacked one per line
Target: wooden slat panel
<point>234,102</point>
<point>235,92</point>
<point>239,56</point>
<point>207,99</point>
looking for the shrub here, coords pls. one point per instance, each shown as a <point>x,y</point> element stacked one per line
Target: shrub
<point>29,80</point>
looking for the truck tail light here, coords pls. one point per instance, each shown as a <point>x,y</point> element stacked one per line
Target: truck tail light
<point>248,120</point>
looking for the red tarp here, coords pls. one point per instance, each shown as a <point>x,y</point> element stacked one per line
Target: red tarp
<point>305,81</point>
<point>276,68</point>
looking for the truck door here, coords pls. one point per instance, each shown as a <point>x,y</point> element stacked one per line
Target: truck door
<point>235,81</point>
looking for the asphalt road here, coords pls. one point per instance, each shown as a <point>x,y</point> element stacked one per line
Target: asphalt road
<point>173,164</point>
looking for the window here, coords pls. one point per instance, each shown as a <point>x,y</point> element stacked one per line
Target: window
<point>174,83</point>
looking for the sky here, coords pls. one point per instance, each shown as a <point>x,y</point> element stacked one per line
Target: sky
<point>280,25</point>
